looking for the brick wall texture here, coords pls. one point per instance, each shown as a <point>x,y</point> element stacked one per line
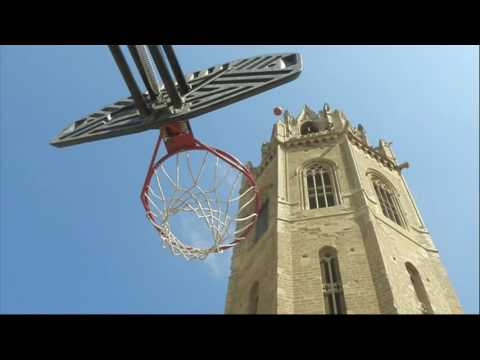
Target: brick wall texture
<point>372,250</point>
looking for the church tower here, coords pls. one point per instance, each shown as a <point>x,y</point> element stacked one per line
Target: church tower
<point>339,231</point>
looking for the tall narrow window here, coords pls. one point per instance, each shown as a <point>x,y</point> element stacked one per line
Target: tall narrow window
<point>419,288</point>
<point>388,201</point>
<point>262,222</point>
<point>321,189</point>
<point>254,297</point>
<point>332,282</point>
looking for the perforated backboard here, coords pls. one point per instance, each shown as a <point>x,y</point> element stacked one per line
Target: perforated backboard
<point>209,90</point>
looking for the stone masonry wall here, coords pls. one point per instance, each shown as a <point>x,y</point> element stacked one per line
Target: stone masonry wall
<point>312,229</point>
<point>372,249</point>
<point>399,244</point>
<point>254,261</point>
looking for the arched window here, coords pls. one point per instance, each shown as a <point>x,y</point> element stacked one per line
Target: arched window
<point>332,282</point>
<point>308,128</point>
<point>321,187</point>
<point>253,301</point>
<point>420,292</point>
<point>388,201</point>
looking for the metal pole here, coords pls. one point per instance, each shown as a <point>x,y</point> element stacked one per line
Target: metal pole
<point>145,71</point>
<point>129,80</point>
<point>177,70</point>
<point>165,75</point>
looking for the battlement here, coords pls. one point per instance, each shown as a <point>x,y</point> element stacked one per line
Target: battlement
<point>310,128</point>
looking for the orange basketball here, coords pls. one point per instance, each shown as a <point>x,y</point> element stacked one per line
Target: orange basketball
<point>277,111</point>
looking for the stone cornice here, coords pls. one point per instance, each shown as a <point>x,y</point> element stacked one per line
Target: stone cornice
<point>282,202</point>
<point>304,140</point>
<point>334,211</point>
<point>311,139</point>
<point>421,231</point>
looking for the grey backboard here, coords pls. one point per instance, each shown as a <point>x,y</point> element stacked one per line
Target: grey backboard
<point>208,90</point>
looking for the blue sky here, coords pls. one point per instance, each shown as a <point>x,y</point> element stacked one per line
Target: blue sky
<point>74,238</point>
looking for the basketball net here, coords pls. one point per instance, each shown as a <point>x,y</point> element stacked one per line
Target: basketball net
<point>195,182</point>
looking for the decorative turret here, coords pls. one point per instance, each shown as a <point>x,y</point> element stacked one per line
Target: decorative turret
<point>361,133</point>
<point>385,149</point>
<point>309,122</point>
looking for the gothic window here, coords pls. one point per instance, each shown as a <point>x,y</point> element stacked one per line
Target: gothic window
<point>419,288</point>
<point>254,297</point>
<point>262,222</point>
<point>388,201</point>
<point>332,282</point>
<point>321,187</point>
<point>308,128</point>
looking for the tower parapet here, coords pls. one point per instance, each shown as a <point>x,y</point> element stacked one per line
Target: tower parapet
<point>310,127</point>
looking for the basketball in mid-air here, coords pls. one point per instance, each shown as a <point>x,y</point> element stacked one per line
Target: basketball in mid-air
<point>277,111</point>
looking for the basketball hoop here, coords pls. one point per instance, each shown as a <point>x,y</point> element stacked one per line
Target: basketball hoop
<point>194,180</point>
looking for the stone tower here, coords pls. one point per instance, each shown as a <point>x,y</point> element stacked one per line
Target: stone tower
<point>339,231</point>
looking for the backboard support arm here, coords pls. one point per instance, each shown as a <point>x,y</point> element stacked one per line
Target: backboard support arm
<point>165,75</point>
<point>145,70</point>
<point>129,79</point>
<point>176,69</point>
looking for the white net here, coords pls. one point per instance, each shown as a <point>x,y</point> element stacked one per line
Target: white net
<point>193,187</point>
